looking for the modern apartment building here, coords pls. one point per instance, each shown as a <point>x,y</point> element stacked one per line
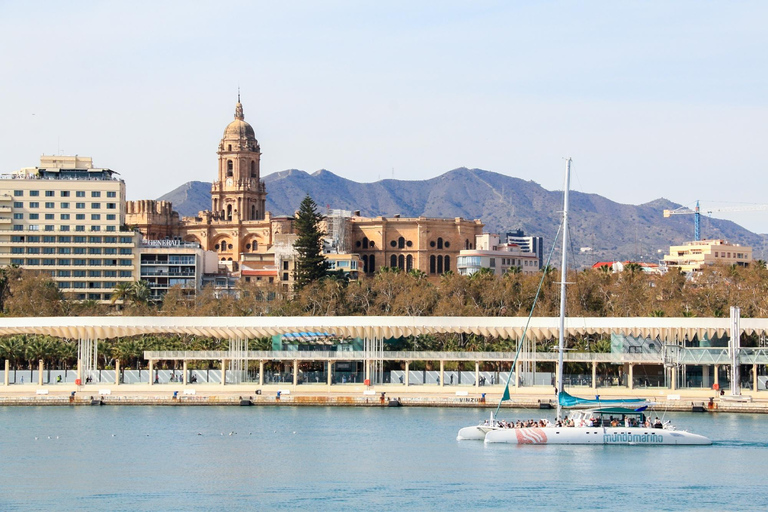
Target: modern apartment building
<point>534,244</point>
<point>692,256</point>
<point>169,263</point>
<point>66,218</point>
<point>499,257</point>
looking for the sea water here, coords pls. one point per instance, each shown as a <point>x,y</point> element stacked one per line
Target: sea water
<point>325,458</point>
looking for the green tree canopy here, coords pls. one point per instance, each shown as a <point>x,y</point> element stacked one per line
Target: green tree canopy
<point>311,265</point>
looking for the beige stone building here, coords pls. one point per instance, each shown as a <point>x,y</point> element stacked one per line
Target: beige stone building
<point>427,244</point>
<point>693,256</point>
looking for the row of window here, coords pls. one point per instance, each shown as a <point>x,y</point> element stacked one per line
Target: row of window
<point>402,243</point>
<point>63,193</point>
<point>64,206</point>
<point>63,216</point>
<point>64,227</point>
<point>94,273</point>
<point>126,251</point>
<point>108,285</point>
<point>77,262</point>
<point>48,239</point>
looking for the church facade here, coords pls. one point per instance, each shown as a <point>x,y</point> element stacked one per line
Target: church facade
<point>241,232</point>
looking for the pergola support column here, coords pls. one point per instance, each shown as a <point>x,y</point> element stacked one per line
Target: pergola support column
<point>295,372</point>
<point>631,377</point>
<point>185,376</point>
<point>594,374</point>
<point>261,372</point>
<point>442,373</point>
<point>223,372</point>
<point>117,372</point>
<point>6,375</point>
<point>754,378</point>
<point>477,374</point>
<point>40,368</point>
<point>330,373</point>
<point>407,372</point>
<point>151,372</point>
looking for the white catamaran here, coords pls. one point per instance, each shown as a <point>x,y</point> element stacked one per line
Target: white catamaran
<point>621,421</point>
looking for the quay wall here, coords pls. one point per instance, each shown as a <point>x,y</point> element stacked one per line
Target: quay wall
<point>353,396</point>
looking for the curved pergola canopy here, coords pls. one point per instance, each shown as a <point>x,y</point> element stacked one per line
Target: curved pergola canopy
<point>540,328</point>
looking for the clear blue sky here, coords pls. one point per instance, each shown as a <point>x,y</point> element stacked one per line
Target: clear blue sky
<point>651,99</point>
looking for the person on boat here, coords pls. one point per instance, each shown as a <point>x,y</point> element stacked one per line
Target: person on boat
<point>657,423</point>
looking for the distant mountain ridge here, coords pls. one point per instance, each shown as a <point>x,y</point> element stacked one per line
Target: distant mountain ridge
<point>612,230</point>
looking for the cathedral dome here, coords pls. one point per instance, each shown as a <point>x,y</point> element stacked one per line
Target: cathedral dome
<point>239,129</point>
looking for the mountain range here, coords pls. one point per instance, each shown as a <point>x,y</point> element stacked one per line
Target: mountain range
<point>600,229</point>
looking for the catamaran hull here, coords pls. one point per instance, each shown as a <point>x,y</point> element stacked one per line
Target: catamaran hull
<point>476,433</point>
<point>591,435</point>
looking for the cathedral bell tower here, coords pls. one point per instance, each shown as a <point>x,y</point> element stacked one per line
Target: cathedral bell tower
<point>238,194</point>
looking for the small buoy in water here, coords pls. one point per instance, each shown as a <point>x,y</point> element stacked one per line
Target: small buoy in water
<point>199,434</point>
<point>113,435</point>
<point>294,431</point>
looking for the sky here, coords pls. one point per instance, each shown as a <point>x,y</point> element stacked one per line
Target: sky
<point>650,99</point>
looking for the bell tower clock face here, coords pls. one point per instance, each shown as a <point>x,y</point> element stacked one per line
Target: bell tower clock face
<point>229,182</point>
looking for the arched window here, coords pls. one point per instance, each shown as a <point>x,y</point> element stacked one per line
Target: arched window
<point>432,264</point>
<point>253,169</point>
<point>401,243</point>
<point>372,264</point>
<point>439,243</point>
<point>401,262</point>
<point>254,245</point>
<point>230,167</point>
<point>365,243</point>
<point>439,264</point>
<point>229,212</point>
<point>253,212</point>
<point>229,147</point>
<point>409,263</point>
<point>393,261</point>
<point>365,263</point>
<point>447,264</point>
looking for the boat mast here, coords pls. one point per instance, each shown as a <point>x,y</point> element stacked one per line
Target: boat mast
<point>563,275</point>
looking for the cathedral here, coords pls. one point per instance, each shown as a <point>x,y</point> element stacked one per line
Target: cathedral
<point>248,238</point>
<point>237,223</point>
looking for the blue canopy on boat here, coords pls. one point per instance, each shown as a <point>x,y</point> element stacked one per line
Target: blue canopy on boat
<point>567,400</point>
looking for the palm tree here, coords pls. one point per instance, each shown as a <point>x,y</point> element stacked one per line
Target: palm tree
<point>122,292</point>
<point>140,292</point>
<point>12,349</point>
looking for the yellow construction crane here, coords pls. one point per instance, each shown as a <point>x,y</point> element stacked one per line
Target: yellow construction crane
<point>696,212</point>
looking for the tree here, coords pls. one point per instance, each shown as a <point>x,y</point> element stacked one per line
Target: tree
<point>311,265</point>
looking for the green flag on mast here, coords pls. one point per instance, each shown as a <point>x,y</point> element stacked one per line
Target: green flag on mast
<point>505,396</point>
